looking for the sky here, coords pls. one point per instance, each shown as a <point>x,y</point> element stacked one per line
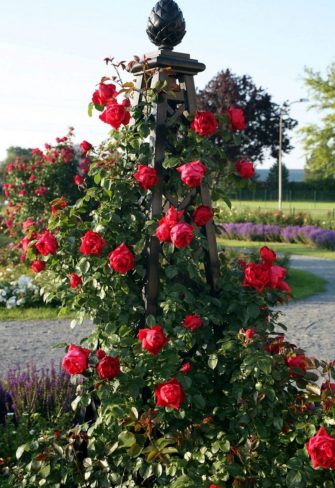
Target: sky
<point>52,51</point>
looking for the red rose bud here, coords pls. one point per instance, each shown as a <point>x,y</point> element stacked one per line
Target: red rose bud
<point>297,362</point>
<point>192,173</point>
<point>186,368</point>
<point>202,215</point>
<point>121,259</point>
<point>236,118</point>
<point>108,367</point>
<point>192,322</point>
<point>75,360</point>
<point>100,353</point>
<point>37,266</point>
<point>256,275</point>
<point>78,180</point>
<point>75,280</point>
<point>245,168</point>
<point>181,235</point>
<point>105,93</point>
<point>249,333</point>
<point>85,147</point>
<point>204,123</point>
<point>163,233</point>
<point>321,449</point>
<point>267,254</point>
<point>115,115</point>
<point>46,243</point>
<point>169,394</point>
<point>153,340</point>
<point>146,176</point>
<point>92,244</point>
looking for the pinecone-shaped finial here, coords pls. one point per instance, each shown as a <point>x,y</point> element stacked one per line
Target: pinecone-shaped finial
<point>166,24</point>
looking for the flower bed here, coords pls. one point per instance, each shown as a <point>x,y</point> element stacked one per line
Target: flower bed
<point>308,234</point>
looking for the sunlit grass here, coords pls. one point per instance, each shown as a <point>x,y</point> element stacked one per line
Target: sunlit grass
<point>31,314</point>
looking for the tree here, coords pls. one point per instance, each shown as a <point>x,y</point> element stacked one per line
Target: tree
<point>14,152</point>
<point>319,139</point>
<point>272,179</point>
<point>261,114</point>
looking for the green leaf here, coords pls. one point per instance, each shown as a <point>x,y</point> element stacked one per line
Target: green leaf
<point>171,271</point>
<point>212,361</point>
<point>126,439</point>
<point>21,449</point>
<point>90,109</point>
<point>97,178</point>
<point>45,471</point>
<point>294,479</point>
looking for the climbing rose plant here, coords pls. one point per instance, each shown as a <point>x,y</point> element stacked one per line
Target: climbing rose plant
<point>206,393</point>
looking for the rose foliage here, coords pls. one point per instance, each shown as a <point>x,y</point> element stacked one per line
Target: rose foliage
<point>208,392</point>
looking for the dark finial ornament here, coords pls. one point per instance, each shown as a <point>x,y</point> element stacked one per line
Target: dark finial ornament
<point>166,24</point>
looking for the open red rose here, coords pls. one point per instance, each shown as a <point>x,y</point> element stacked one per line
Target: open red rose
<point>321,449</point>
<point>146,176</point>
<point>181,234</point>
<point>245,168</point>
<point>236,118</point>
<point>169,394</point>
<point>277,275</point>
<point>163,232</point>
<point>202,215</point>
<point>92,244</point>
<point>75,360</point>
<point>257,276</point>
<point>204,123</point>
<point>192,322</point>
<point>267,254</point>
<point>115,115</point>
<point>105,93</point>
<point>192,173</point>
<point>121,259</point>
<point>249,333</point>
<point>153,340</point>
<point>46,243</point>
<point>172,216</point>
<point>85,147</point>
<point>108,367</point>
<point>75,280</point>
<point>37,265</point>
<point>297,362</point>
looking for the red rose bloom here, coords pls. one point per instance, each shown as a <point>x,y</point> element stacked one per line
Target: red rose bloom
<point>169,394</point>
<point>153,340</point>
<point>249,333</point>
<point>163,233</point>
<point>37,265</point>
<point>121,259</point>
<point>256,275</point>
<point>214,486</point>
<point>146,176</point>
<point>75,280</point>
<point>92,243</point>
<point>236,118</point>
<point>100,353</point>
<point>204,123</point>
<point>300,362</point>
<point>108,367</point>
<point>192,322</point>
<point>27,223</point>
<point>172,216</point>
<point>202,215</point>
<point>105,93</point>
<point>78,180</point>
<point>186,368</point>
<point>192,173</point>
<point>181,234</point>
<point>40,191</point>
<point>245,168</point>
<point>85,147</point>
<point>267,254</point>
<point>276,346</point>
<point>58,204</point>
<point>75,360</point>
<point>277,274</point>
<point>321,449</point>
<point>115,115</point>
<point>46,244</point>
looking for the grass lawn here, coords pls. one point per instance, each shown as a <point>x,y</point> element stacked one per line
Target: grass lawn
<point>282,247</point>
<point>317,209</point>
<point>305,284</point>
<point>34,313</point>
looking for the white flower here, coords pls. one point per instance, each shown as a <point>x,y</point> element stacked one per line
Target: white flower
<point>11,302</point>
<point>24,281</point>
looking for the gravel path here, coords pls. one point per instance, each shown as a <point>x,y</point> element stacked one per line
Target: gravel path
<point>310,322</point>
